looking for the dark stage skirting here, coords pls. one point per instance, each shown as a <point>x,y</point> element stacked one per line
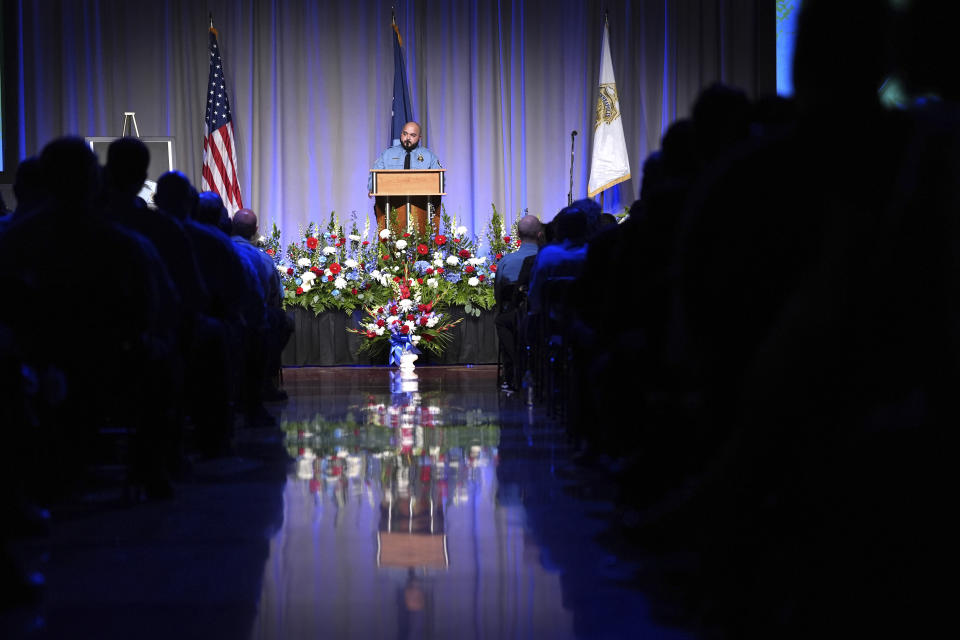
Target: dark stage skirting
<point>323,340</point>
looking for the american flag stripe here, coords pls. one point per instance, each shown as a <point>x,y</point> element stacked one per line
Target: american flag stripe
<point>219,149</point>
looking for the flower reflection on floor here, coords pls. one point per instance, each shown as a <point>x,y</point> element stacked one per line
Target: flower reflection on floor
<point>392,528</point>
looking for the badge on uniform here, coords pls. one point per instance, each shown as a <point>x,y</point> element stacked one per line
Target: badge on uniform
<point>420,158</point>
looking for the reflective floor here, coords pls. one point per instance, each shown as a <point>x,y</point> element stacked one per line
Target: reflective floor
<point>428,505</point>
<point>425,505</point>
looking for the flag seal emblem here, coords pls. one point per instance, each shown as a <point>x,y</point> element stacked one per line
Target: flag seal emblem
<point>607,105</point>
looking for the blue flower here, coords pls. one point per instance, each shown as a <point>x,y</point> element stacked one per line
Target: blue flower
<point>352,275</point>
<point>335,292</point>
<point>299,281</point>
<point>421,266</point>
<point>452,277</point>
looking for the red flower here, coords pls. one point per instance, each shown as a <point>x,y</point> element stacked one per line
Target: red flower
<point>456,239</point>
<point>380,322</point>
<point>289,271</point>
<point>493,268</point>
<point>393,310</point>
<point>429,271</point>
<point>404,292</point>
<point>518,242</point>
<point>423,249</point>
<point>396,278</point>
<point>404,329</point>
<point>441,270</point>
<point>410,316</point>
<point>299,290</point>
<point>335,268</point>
<point>312,243</point>
<point>383,240</point>
<point>499,255</point>
<point>366,242</point>
<point>428,337</point>
<point>353,291</point>
<point>421,307</point>
<point>380,310</point>
<point>506,239</point>
<point>315,270</point>
<point>333,236</point>
<point>330,278</point>
<point>429,306</point>
<point>370,334</point>
<point>464,253</point>
<point>481,278</point>
<point>419,280</point>
<point>406,235</point>
<point>440,240</point>
<point>469,268</point>
<point>424,320</point>
<point>270,252</point>
<point>386,257</point>
<point>366,285</point>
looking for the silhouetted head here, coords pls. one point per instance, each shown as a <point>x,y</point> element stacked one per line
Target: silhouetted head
<point>127,162</point>
<point>210,210</point>
<point>28,185</point>
<point>572,223</point>
<point>175,195</point>
<point>841,57</point>
<point>721,120</point>
<point>71,173</point>
<point>679,150</point>
<point>245,224</point>
<point>530,229</point>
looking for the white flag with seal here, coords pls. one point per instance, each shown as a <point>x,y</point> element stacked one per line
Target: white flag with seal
<point>609,164</point>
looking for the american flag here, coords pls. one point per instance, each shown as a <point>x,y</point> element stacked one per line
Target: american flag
<point>219,150</point>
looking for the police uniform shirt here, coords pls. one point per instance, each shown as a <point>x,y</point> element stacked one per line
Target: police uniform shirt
<point>393,158</point>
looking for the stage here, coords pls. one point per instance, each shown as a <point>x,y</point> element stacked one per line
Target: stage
<point>323,340</point>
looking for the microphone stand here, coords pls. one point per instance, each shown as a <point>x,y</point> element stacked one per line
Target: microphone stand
<point>573,135</point>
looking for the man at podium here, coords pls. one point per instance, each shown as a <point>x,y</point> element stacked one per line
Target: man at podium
<point>406,155</point>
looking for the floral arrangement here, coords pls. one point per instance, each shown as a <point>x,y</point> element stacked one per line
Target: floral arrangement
<point>328,268</point>
<point>405,322</point>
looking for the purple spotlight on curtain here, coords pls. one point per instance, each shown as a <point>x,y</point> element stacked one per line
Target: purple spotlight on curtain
<point>401,110</point>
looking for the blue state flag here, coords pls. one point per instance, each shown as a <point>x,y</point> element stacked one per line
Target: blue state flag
<point>401,111</point>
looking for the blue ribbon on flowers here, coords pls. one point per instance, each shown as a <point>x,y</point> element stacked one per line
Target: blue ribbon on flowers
<point>400,343</point>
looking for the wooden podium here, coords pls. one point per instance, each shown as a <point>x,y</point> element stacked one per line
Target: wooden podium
<point>414,193</point>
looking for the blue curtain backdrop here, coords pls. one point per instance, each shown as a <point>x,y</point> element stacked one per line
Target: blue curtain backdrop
<point>497,85</point>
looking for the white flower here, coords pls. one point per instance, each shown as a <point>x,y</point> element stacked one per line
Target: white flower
<point>438,262</point>
<point>340,282</point>
<point>391,319</point>
<point>385,280</point>
<point>372,326</point>
<point>282,269</point>
<point>380,330</point>
<point>350,263</point>
<point>329,251</point>
<point>473,281</point>
<point>406,304</point>
<point>385,233</point>
<point>432,282</point>
<point>437,255</point>
<point>401,244</point>
<point>453,260</point>
<point>415,339</point>
<point>375,274</point>
<point>461,231</point>
<point>410,324</point>
<point>477,261</point>
<point>304,262</point>
<point>432,321</point>
<point>327,273</point>
<point>308,276</point>
<point>306,286</point>
<point>354,237</point>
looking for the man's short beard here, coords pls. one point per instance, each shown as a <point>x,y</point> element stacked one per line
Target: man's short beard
<point>411,147</point>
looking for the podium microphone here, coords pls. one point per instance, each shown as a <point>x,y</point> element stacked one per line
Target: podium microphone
<point>573,134</point>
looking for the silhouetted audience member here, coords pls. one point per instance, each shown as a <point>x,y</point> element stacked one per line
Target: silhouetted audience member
<point>278,326</point>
